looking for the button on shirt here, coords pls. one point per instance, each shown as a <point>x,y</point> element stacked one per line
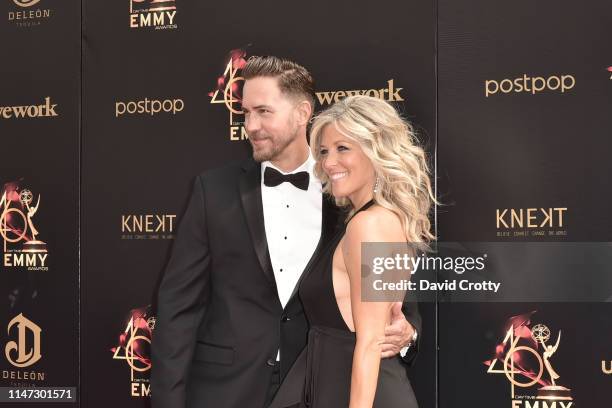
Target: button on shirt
<point>292,219</point>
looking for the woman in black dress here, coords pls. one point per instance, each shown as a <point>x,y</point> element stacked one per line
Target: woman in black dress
<point>368,159</point>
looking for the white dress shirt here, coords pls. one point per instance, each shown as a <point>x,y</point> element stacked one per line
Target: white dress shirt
<point>292,219</point>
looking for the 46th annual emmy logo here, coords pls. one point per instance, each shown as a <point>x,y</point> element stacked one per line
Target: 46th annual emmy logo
<point>525,357</point>
<point>229,93</point>
<point>21,245</point>
<point>134,347</point>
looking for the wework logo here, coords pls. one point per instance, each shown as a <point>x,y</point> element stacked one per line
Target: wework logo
<point>389,93</point>
<point>46,110</point>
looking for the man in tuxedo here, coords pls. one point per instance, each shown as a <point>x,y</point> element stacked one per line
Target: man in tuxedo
<point>229,321</point>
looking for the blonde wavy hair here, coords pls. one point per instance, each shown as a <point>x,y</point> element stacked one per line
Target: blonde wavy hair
<point>389,141</point>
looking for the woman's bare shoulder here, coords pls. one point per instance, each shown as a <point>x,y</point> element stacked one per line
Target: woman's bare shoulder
<point>376,224</point>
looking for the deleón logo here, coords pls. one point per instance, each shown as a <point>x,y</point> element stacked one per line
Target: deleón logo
<point>389,93</point>
<point>159,14</point>
<point>526,358</point>
<point>148,226</point>
<point>26,350</point>
<point>17,227</point>
<point>148,106</point>
<point>28,18</point>
<point>533,222</point>
<point>229,92</point>
<point>45,110</point>
<point>533,85</point>
<point>134,347</point>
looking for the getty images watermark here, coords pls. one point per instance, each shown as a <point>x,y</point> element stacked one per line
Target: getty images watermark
<point>487,272</point>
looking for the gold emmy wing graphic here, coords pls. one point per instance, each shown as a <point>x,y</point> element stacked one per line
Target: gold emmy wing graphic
<point>525,357</point>
<point>26,356</point>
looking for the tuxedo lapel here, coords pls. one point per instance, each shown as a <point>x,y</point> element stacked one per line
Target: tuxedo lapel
<point>250,194</point>
<point>330,222</point>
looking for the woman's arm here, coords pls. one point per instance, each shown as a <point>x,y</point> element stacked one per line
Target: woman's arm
<point>369,318</point>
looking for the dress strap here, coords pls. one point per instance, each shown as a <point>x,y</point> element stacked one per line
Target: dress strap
<point>363,208</point>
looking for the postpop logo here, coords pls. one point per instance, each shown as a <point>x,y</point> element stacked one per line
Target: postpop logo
<point>148,106</point>
<point>532,85</point>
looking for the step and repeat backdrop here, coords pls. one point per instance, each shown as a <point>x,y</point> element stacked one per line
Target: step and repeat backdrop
<point>108,110</point>
<point>39,193</point>
<point>162,83</point>
<point>524,119</point>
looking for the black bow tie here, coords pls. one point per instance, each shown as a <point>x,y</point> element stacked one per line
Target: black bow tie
<point>273,178</point>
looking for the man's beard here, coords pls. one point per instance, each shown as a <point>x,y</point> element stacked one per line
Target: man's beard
<point>273,151</point>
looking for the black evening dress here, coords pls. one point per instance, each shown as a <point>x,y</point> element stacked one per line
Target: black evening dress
<point>321,376</point>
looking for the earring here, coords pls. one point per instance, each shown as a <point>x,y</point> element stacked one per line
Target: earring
<point>376,185</point>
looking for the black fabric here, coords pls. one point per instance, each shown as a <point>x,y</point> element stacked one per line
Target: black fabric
<point>273,178</point>
<point>274,384</point>
<point>321,376</point>
<point>220,322</point>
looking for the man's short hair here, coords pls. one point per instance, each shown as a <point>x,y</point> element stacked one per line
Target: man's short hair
<point>293,79</point>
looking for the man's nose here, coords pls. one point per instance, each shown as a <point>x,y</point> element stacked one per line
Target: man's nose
<point>251,124</point>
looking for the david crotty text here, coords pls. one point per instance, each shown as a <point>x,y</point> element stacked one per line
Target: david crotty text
<point>463,285</point>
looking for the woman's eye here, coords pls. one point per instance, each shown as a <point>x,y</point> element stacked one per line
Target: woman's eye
<point>341,148</point>
<point>323,152</point>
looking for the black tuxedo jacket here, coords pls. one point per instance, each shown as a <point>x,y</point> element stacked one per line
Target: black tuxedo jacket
<point>219,320</point>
